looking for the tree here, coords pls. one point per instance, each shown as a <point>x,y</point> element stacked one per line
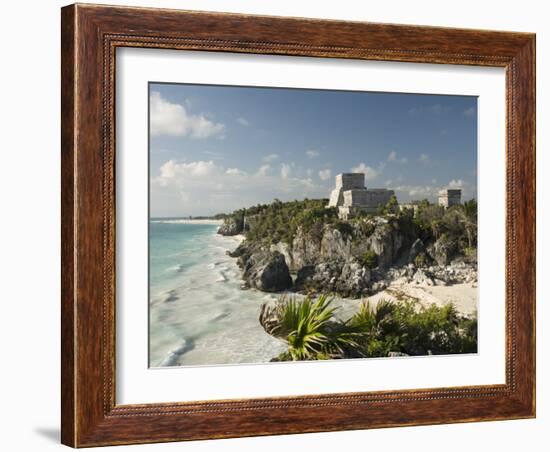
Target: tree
<point>392,206</point>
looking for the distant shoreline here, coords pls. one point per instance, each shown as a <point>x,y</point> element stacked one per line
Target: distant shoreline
<point>185,221</point>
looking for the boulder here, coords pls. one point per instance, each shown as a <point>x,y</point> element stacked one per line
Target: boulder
<point>318,278</point>
<point>348,279</point>
<point>267,271</point>
<point>386,242</point>
<point>354,280</point>
<point>422,278</point>
<point>379,286</point>
<point>284,249</point>
<point>443,250</point>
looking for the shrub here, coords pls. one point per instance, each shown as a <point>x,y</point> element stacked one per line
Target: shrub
<point>344,228</point>
<point>307,327</point>
<point>470,254</point>
<point>420,260</point>
<point>369,259</point>
<point>312,332</point>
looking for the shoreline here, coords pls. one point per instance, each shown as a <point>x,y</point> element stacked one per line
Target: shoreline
<point>202,317</point>
<point>185,221</point>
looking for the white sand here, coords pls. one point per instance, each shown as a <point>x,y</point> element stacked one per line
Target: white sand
<point>463,296</point>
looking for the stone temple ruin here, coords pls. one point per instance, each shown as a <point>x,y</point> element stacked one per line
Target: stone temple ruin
<point>351,196</point>
<point>450,197</point>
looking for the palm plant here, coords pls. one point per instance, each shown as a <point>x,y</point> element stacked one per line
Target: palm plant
<point>307,326</point>
<point>380,331</point>
<point>375,330</point>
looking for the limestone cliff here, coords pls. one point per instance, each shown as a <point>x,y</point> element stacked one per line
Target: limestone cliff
<point>351,258</point>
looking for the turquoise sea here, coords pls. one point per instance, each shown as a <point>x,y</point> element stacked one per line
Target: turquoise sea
<point>198,313</point>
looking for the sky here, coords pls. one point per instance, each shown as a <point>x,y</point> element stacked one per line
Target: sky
<point>214,149</point>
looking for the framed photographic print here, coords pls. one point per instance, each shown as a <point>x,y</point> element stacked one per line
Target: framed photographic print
<point>281,225</point>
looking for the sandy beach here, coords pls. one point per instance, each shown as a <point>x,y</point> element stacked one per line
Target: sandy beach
<point>186,221</point>
<point>463,296</point>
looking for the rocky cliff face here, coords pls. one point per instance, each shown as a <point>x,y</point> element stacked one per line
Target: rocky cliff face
<point>331,259</point>
<point>232,225</point>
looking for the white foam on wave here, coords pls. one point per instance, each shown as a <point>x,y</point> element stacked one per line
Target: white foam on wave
<point>174,355</point>
<point>212,309</point>
<point>176,268</point>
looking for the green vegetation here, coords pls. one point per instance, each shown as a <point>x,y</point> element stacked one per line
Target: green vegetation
<point>308,328</point>
<point>279,221</point>
<point>406,327</point>
<point>391,207</point>
<point>369,259</point>
<point>420,260</point>
<point>458,223</point>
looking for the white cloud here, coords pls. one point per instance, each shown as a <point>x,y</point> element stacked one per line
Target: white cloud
<point>415,192</point>
<point>235,171</point>
<point>206,187</point>
<point>270,157</point>
<point>263,170</point>
<point>200,168</point>
<point>456,183</point>
<point>242,121</point>
<point>312,153</point>
<point>325,174</point>
<point>392,157</point>
<point>309,172</point>
<point>167,118</point>
<point>370,173</point>
<point>285,170</point>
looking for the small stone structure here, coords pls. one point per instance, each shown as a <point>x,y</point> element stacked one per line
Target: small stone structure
<point>351,196</point>
<point>450,197</point>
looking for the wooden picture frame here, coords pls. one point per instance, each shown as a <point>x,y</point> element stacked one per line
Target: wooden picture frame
<point>90,36</point>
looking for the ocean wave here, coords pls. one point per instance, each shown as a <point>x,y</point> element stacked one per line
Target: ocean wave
<point>171,296</point>
<point>221,277</point>
<point>172,358</point>
<point>176,268</point>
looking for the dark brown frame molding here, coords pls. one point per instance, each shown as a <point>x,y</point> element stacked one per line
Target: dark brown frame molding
<point>90,35</point>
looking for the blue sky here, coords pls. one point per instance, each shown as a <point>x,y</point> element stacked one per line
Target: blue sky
<point>215,148</point>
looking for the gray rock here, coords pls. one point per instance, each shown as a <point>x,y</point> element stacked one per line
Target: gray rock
<point>378,286</point>
<point>443,250</point>
<point>353,280</point>
<point>349,279</point>
<point>232,226</point>
<point>267,271</point>
<point>284,249</point>
<point>416,248</point>
<point>386,242</point>
<point>318,278</point>
<point>396,354</point>
<point>422,278</point>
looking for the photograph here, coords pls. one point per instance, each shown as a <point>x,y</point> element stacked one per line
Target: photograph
<point>292,224</point>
